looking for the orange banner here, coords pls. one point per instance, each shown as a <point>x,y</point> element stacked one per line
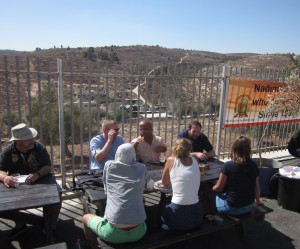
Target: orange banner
<point>246,100</point>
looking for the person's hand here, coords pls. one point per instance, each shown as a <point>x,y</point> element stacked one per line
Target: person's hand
<point>258,202</point>
<point>138,141</point>
<point>31,178</point>
<point>202,156</point>
<point>112,134</point>
<point>10,181</point>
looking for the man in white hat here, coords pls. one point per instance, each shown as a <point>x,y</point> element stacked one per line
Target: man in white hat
<point>26,157</point>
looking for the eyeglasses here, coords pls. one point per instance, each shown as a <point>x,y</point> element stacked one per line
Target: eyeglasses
<point>117,129</point>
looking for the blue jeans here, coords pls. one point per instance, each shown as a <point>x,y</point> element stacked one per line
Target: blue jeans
<point>182,217</point>
<point>224,208</point>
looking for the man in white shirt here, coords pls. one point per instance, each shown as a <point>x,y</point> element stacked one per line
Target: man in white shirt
<point>148,147</point>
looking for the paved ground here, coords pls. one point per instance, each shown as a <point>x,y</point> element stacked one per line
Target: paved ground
<point>280,229</point>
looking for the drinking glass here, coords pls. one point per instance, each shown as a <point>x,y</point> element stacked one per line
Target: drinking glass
<point>15,176</point>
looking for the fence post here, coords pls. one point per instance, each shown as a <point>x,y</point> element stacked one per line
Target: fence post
<point>60,100</point>
<point>222,110</point>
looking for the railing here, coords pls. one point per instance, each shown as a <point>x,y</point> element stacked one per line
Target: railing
<point>66,102</point>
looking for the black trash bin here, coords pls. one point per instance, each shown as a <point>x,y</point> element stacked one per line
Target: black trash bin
<point>289,193</point>
<point>267,169</point>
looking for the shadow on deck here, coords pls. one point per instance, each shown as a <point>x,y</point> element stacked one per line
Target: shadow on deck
<point>69,228</point>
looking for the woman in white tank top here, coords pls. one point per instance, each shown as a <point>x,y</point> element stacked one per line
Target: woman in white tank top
<point>182,172</point>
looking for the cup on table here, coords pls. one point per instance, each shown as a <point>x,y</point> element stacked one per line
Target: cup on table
<point>16,179</point>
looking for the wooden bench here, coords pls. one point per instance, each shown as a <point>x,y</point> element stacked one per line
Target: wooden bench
<point>212,223</point>
<point>93,198</point>
<point>94,201</point>
<point>62,245</point>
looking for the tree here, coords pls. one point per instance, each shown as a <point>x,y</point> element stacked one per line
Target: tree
<point>285,101</point>
<point>114,57</point>
<point>6,120</point>
<point>295,61</point>
<point>48,102</point>
<point>104,55</point>
<point>90,54</point>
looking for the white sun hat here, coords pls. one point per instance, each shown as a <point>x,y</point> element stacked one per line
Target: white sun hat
<point>23,132</point>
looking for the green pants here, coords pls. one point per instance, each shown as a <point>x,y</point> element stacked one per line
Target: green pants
<point>109,233</point>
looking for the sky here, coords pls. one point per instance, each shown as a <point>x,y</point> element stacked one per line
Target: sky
<point>224,26</point>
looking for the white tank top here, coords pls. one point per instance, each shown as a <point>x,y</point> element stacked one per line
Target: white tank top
<point>185,182</point>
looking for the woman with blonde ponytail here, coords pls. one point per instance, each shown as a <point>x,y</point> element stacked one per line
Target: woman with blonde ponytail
<point>182,173</point>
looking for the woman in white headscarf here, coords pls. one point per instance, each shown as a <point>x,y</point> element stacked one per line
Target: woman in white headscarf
<point>124,219</point>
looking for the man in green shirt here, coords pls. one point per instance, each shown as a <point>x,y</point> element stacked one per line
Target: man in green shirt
<point>294,144</point>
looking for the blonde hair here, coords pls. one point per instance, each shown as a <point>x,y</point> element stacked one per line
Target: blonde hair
<point>182,148</point>
<point>107,123</point>
<point>241,150</point>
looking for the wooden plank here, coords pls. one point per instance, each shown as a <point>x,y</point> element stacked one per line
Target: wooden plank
<point>43,192</point>
<point>95,195</point>
<point>40,194</point>
<point>24,195</point>
<point>27,204</point>
<point>62,245</point>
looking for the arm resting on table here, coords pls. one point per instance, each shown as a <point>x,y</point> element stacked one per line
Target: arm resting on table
<point>221,183</point>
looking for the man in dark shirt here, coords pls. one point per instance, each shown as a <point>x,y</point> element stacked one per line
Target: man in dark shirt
<point>26,156</point>
<point>202,148</point>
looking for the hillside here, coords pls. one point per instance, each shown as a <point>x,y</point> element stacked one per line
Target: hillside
<point>119,59</point>
<point>154,56</point>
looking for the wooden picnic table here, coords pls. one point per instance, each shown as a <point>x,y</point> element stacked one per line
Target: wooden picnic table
<point>40,194</point>
<point>210,174</point>
<point>94,194</point>
<point>156,237</point>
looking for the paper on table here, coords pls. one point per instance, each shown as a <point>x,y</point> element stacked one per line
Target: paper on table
<point>21,178</point>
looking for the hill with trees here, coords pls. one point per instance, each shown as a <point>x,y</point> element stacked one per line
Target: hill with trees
<point>156,55</point>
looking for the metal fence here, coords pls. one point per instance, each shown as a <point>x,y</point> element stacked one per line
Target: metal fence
<point>66,101</point>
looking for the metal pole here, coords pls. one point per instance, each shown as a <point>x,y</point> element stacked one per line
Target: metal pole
<point>224,89</point>
<point>61,122</point>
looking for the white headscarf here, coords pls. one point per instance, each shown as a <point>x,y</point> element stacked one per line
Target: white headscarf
<point>126,154</point>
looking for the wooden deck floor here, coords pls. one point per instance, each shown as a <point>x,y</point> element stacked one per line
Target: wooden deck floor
<point>69,228</point>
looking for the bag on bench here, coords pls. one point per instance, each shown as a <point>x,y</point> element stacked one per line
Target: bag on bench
<point>98,181</point>
<point>94,177</point>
